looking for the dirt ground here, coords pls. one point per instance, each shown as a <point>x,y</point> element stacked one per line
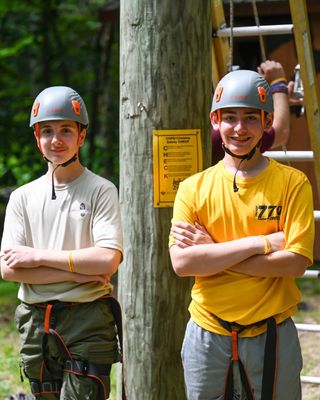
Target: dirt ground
<point>310,345</point>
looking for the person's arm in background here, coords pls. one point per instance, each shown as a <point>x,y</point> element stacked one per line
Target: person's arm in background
<point>274,74</point>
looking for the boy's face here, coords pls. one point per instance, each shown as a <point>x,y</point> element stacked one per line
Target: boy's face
<point>60,140</point>
<point>240,128</point>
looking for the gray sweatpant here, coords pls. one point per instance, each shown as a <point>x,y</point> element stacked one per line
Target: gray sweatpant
<point>206,358</point>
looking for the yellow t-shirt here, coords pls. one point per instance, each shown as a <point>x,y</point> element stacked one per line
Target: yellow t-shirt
<point>278,199</point>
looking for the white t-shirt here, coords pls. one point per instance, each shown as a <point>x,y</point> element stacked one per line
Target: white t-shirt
<point>85,214</point>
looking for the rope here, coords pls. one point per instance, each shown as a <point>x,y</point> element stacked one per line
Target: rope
<point>231,12</point>
<point>256,18</point>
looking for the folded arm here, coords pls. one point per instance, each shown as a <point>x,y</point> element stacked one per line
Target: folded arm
<point>89,262</point>
<point>196,254</point>
<point>45,275</point>
<point>277,264</point>
<point>210,259</point>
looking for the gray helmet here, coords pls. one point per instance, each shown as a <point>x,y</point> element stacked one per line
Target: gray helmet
<point>59,103</point>
<point>243,88</point>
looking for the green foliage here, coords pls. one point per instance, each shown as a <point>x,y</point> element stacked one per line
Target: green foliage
<point>310,286</point>
<point>54,42</point>
<point>8,294</point>
<point>9,353</point>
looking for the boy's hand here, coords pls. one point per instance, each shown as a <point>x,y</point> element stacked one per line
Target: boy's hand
<point>277,241</point>
<point>186,234</point>
<point>20,257</point>
<point>271,70</point>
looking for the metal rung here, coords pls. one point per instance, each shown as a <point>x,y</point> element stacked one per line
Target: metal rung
<point>290,155</point>
<point>308,327</point>
<point>242,31</point>
<point>317,215</point>
<point>311,273</point>
<point>310,379</point>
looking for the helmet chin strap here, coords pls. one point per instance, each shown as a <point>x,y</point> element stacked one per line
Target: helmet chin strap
<point>247,156</point>
<point>65,164</point>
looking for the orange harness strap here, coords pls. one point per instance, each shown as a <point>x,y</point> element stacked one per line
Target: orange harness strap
<point>234,339</point>
<point>47,318</point>
<point>269,365</point>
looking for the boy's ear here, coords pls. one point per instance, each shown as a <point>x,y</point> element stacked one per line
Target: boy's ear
<point>82,137</point>
<point>268,121</point>
<point>214,120</point>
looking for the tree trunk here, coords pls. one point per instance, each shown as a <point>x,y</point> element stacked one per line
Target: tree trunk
<point>165,83</point>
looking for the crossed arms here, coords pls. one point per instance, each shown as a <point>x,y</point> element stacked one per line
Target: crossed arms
<point>36,266</point>
<point>196,254</point>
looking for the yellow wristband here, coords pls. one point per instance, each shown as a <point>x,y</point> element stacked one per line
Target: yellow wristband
<point>70,262</point>
<point>282,79</point>
<point>267,245</point>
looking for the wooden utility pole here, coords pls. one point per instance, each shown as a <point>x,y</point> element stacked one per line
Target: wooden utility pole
<point>165,83</point>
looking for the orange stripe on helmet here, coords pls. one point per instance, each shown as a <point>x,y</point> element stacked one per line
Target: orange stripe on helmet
<point>262,118</point>
<point>37,132</point>
<point>219,116</point>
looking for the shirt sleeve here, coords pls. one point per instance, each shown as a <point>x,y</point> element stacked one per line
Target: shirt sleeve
<point>217,150</point>
<point>183,209</point>
<point>267,140</point>
<point>299,225</point>
<point>13,230</point>
<point>107,230</point>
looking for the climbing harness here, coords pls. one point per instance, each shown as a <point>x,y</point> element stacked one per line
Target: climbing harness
<point>47,385</point>
<point>270,360</point>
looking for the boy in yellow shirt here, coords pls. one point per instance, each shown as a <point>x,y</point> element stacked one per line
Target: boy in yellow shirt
<point>244,228</point>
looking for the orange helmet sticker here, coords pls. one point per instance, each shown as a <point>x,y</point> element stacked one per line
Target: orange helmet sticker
<point>262,94</point>
<point>36,109</point>
<point>76,106</point>
<point>218,94</point>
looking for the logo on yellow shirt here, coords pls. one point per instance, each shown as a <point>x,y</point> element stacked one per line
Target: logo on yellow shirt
<point>264,212</point>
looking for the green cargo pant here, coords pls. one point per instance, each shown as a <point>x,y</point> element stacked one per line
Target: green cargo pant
<point>87,329</point>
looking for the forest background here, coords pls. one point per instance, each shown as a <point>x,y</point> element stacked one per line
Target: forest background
<point>47,43</point>
<point>73,43</point>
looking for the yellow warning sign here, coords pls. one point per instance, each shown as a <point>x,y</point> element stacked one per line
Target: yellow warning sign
<point>177,154</point>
